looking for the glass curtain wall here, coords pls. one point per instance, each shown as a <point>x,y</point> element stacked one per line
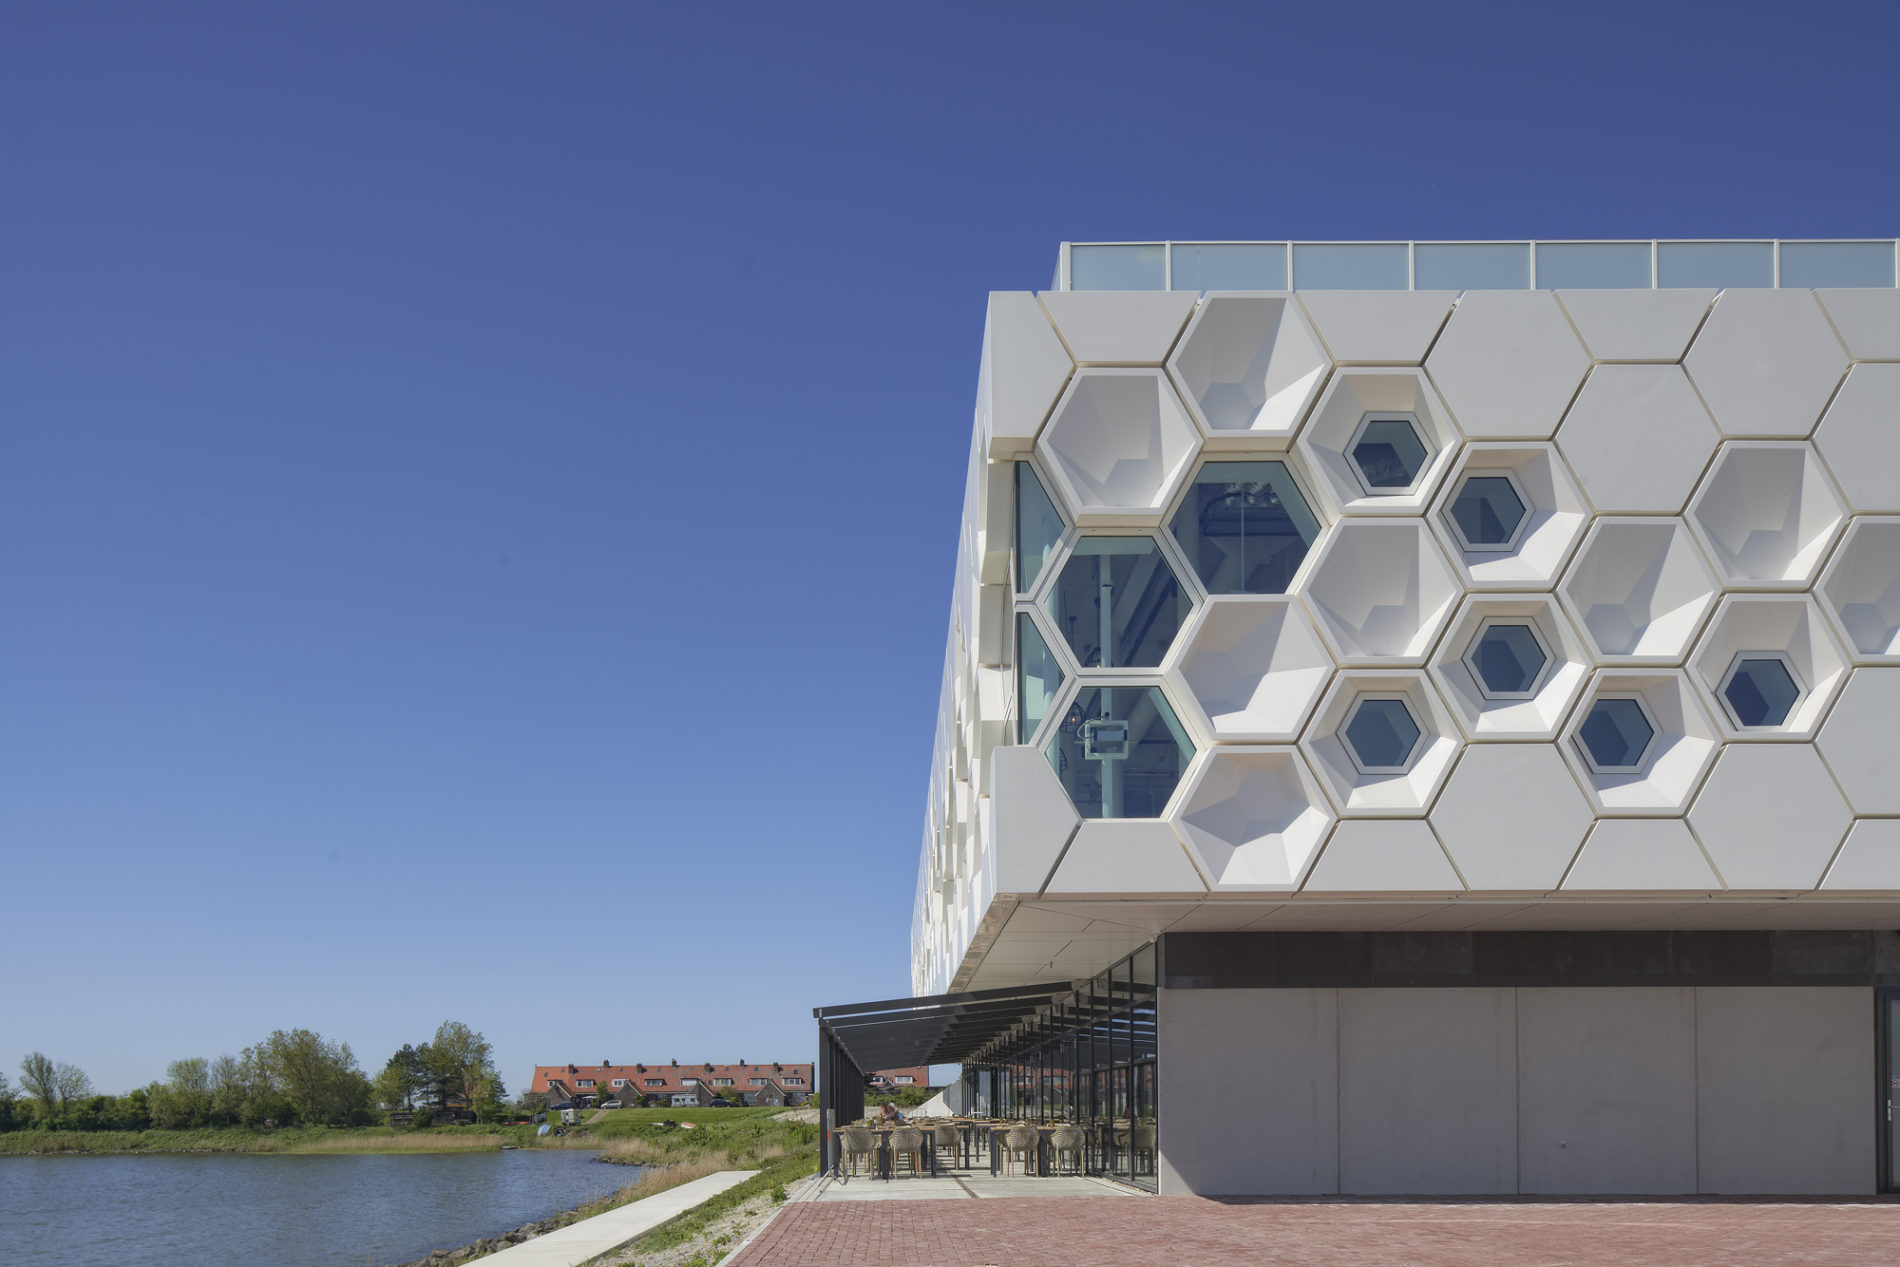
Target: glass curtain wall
<point>1088,1058</point>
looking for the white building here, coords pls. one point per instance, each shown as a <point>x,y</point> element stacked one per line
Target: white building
<point>1419,718</point>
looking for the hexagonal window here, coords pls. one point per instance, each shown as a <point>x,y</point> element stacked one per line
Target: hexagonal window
<point>1616,734</point>
<point>1387,454</point>
<point>1120,752</point>
<point>1117,603</point>
<point>1488,512</point>
<point>1039,527</point>
<point>1039,677</point>
<point>1381,735</point>
<point>1508,659</point>
<point>1245,526</point>
<point>1760,690</point>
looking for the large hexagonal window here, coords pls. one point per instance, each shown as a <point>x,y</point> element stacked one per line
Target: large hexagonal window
<point>1387,453</point>
<point>1039,527</point>
<point>1117,603</point>
<point>1120,752</point>
<point>1245,526</point>
<point>1038,677</point>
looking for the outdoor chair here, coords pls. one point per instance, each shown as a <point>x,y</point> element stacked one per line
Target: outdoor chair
<point>859,1145</point>
<point>1019,1141</point>
<point>1142,1144</point>
<point>1068,1141</point>
<point>947,1140</point>
<point>907,1141</point>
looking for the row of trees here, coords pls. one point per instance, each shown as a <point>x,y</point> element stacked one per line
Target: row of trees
<point>293,1077</point>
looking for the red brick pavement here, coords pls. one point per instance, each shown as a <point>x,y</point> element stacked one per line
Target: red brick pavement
<point>1193,1232</point>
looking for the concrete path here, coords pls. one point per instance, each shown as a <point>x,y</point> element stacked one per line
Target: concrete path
<point>578,1242</point>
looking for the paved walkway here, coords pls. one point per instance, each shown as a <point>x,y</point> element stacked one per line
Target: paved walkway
<point>578,1242</point>
<point>1192,1232</point>
<point>963,1187</point>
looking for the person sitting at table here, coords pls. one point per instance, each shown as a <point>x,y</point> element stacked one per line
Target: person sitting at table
<point>889,1115</point>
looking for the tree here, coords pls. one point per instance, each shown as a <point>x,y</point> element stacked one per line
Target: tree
<point>320,1079</point>
<point>228,1090</point>
<point>462,1063</point>
<point>184,1098</point>
<point>405,1073</point>
<point>40,1080</point>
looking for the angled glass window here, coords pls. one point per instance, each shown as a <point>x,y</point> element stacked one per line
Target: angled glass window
<point>1387,453</point>
<point>1120,752</point>
<point>1488,512</point>
<point>1038,677</point>
<point>1616,735</point>
<point>1245,526</point>
<point>1760,690</point>
<point>1038,527</point>
<point>1381,735</point>
<point>1508,660</point>
<point>1117,603</point>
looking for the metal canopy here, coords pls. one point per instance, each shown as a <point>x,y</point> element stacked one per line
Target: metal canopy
<point>942,1029</point>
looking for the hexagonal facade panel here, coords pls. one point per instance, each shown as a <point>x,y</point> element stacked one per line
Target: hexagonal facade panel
<point>1510,668</point>
<point>1512,817</point>
<point>1859,436</point>
<point>1378,441</point>
<point>1640,590</point>
<point>1770,817</point>
<point>1354,742</point>
<point>1254,668</point>
<point>1750,631</point>
<point>1636,325</point>
<point>1383,855</point>
<point>1245,526</point>
<point>1766,362</point>
<point>1861,590</point>
<point>1249,367</point>
<point>1510,515</point>
<point>1642,855</point>
<point>1362,327</point>
<point>1118,444</point>
<point>1117,603</point>
<point>1641,742</point>
<point>1638,439</point>
<point>1381,591</point>
<point>1857,741</point>
<point>1254,818</point>
<point>1507,364</point>
<point>1766,513</point>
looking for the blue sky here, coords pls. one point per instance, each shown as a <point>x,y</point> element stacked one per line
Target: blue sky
<point>478,482</point>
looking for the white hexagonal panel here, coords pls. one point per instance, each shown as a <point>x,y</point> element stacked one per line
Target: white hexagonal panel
<point>1642,855</point>
<point>1766,362</point>
<point>1869,857</point>
<point>1366,327</point>
<point>1255,668</point>
<point>1125,855</point>
<point>1383,855</point>
<point>1478,519</point>
<point>1118,444</point>
<point>1868,321</point>
<point>1330,442</point>
<point>1637,439</point>
<point>1859,436</point>
<point>1636,325</point>
<point>1381,590</point>
<point>1769,816</point>
<point>1753,629</point>
<point>1512,817</point>
<point>1510,667</point>
<point>1254,817</point>
<point>1507,364</point>
<point>1359,787</point>
<point>1676,751</point>
<point>1861,590</point>
<point>1857,741</point>
<point>1640,590</point>
<point>1767,513</point>
<point>1120,327</point>
<point>1023,370</point>
<point>1249,367</point>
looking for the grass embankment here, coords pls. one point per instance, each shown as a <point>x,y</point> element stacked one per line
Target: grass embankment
<point>290,1140</point>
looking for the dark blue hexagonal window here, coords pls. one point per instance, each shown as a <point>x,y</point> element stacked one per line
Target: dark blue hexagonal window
<point>1381,734</point>
<point>1120,752</point>
<point>1616,734</point>
<point>1760,690</point>
<point>1117,603</point>
<point>1488,513</point>
<point>1507,659</point>
<point>1245,526</point>
<point>1388,454</point>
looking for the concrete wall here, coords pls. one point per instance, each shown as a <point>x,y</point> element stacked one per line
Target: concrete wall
<point>1663,1090</point>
